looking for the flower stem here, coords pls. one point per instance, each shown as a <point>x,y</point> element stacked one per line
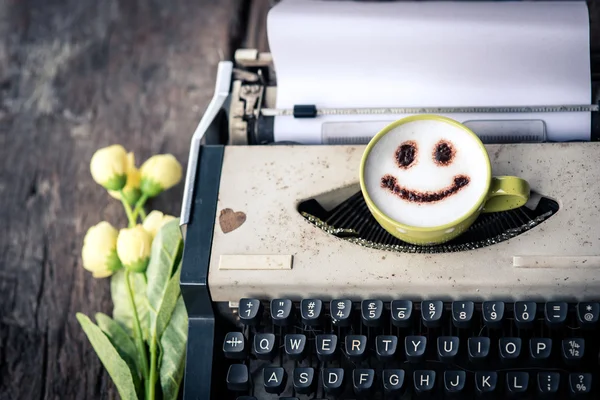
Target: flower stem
<point>142,213</point>
<point>153,362</point>
<point>138,331</point>
<point>139,207</point>
<point>127,207</point>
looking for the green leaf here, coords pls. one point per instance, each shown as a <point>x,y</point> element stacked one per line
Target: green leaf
<point>173,345</point>
<point>125,347</point>
<point>122,311</point>
<point>117,368</point>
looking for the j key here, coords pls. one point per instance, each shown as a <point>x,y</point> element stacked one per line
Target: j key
<point>275,379</point>
<point>333,380</point>
<point>304,380</point>
<point>264,346</point>
<point>326,347</point>
<point>454,382</point>
<point>447,348</point>
<point>355,347</point>
<point>415,346</point>
<point>573,350</point>
<point>555,313</point>
<point>485,382</point>
<point>517,383</point>
<point>393,381</point>
<point>580,384</point>
<point>548,383</point>
<point>462,313</point>
<point>424,381</point>
<point>295,346</point>
<point>525,314</point>
<point>237,378</point>
<point>281,312</point>
<point>310,311</point>
<point>340,312</point>
<point>250,311</point>
<point>362,381</point>
<point>540,349</point>
<point>493,314</point>
<point>510,349</point>
<point>385,347</point>
<point>401,312</point>
<point>588,314</point>
<point>479,348</point>
<point>431,313</point>
<point>234,346</point>
<point>371,312</point>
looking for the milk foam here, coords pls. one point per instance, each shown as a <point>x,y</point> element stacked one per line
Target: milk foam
<point>424,175</point>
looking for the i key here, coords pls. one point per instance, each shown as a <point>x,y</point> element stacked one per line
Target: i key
<point>340,312</point>
<point>401,311</point>
<point>281,312</point>
<point>310,311</point>
<point>479,348</point>
<point>371,311</point>
<point>250,311</point>
<point>234,346</point>
<point>525,314</point>
<point>556,313</point>
<point>431,313</point>
<point>493,313</point>
<point>462,313</point>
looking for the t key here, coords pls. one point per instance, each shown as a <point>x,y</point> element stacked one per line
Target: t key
<point>431,313</point>
<point>462,313</point>
<point>371,311</point>
<point>281,312</point>
<point>525,314</point>
<point>250,311</point>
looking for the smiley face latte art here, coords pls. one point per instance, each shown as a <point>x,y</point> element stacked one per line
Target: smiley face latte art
<point>426,173</point>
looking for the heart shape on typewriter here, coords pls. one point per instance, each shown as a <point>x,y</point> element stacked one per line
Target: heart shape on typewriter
<point>230,220</point>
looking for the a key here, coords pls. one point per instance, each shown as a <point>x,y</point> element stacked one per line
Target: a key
<point>234,346</point>
<point>454,383</point>
<point>362,381</point>
<point>493,314</point>
<point>510,349</point>
<point>295,346</point>
<point>326,346</point>
<point>385,347</point>
<point>371,312</point>
<point>447,348</point>
<point>580,384</point>
<point>462,313</point>
<point>573,350</point>
<point>540,349</point>
<point>333,380</point>
<point>264,346</point>
<point>517,384</point>
<point>431,313</point>
<point>548,383</point>
<point>424,381</point>
<point>393,381</point>
<point>478,348</point>
<point>555,313</point>
<point>588,314</point>
<point>401,311</point>
<point>237,378</point>
<point>250,311</point>
<point>485,382</point>
<point>355,347</point>
<point>281,312</point>
<point>415,346</point>
<point>340,312</point>
<point>310,311</point>
<point>274,379</point>
<point>525,312</point>
<point>304,380</point>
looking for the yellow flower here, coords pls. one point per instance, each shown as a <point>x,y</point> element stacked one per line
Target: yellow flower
<point>154,221</point>
<point>160,172</point>
<point>109,167</point>
<point>99,250</point>
<point>132,187</point>
<point>133,247</point>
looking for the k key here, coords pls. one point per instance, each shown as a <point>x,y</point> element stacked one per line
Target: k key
<point>310,311</point>
<point>371,312</point>
<point>281,312</point>
<point>250,311</point>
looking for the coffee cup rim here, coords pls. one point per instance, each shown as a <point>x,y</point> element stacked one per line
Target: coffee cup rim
<point>421,117</point>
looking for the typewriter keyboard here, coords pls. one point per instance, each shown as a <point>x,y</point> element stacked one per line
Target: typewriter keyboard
<point>401,349</point>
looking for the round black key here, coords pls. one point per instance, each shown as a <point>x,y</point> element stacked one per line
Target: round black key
<point>385,347</point>
<point>555,313</point>
<point>393,381</point>
<point>341,311</point>
<point>462,313</point>
<point>424,381</point>
<point>517,384</point>
<point>304,380</point>
<point>478,348</point>
<point>447,348</point>
<point>250,311</point>
<point>486,382</point>
<point>548,383</point>
<point>588,315</point>
<point>356,346</point>
<point>415,347</point>
<point>454,383</point>
<point>493,314</point>
<point>525,312</point>
<point>238,378</point>
<point>401,312</point>
<point>264,346</point>
<point>310,311</point>
<point>510,349</point>
<point>431,313</point>
<point>363,381</point>
<point>282,312</point>
<point>274,379</point>
<point>573,350</point>
<point>371,312</point>
<point>333,380</point>
<point>234,346</point>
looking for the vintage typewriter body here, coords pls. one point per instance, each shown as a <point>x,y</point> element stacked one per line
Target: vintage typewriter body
<point>294,291</point>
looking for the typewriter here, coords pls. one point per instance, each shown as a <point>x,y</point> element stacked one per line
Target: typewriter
<point>294,291</point>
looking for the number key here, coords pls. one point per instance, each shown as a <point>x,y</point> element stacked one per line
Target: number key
<point>281,311</point>
<point>371,311</point>
<point>310,311</point>
<point>573,350</point>
<point>493,314</point>
<point>401,313</point>
<point>525,314</point>
<point>462,313</point>
<point>340,312</point>
<point>250,311</point>
<point>431,313</point>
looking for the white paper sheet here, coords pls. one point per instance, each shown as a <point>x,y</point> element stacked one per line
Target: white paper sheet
<point>418,54</point>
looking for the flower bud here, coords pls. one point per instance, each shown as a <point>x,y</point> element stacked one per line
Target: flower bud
<point>99,251</point>
<point>154,221</point>
<point>109,167</point>
<point>133,247</point>
<point>160,172</point>
<point>131,190</point>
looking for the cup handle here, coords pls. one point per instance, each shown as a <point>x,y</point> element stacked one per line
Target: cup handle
<point>506,193</point>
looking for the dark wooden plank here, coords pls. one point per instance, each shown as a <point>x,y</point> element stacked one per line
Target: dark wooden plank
<point>76,75</point>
